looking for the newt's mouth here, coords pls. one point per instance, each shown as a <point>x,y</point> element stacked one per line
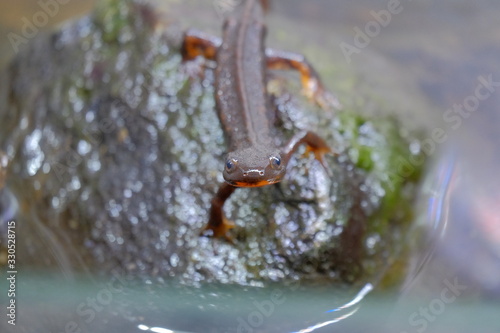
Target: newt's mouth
<point>252,183</point>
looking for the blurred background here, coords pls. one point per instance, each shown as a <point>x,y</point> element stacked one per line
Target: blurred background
<point>436,65</point>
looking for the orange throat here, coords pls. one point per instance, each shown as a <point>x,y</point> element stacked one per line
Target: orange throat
<point>259,183</point>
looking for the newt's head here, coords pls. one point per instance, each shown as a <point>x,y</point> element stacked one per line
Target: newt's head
<point>251,168</point>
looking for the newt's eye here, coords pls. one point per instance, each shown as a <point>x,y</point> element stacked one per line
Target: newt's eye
<point>275,162</point>
<point>231,164</point>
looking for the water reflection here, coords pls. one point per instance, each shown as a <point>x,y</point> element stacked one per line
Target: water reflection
<point>156,329</point>
<point>357,299</point>
<point>436,193</point>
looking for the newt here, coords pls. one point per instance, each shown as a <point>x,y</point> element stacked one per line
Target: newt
<point>255,157</point>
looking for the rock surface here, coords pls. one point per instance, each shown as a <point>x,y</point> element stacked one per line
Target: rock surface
<point>115,150</point>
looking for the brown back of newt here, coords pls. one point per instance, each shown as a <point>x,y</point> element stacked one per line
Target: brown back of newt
<point>243,106</point>
<point>242,101</point>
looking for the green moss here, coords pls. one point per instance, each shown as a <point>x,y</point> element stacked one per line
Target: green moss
<point>112,17</point>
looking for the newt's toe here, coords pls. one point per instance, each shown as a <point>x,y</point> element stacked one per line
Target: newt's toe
<point>319,155</point>
<point>326,100</point>
<point>220,230</point>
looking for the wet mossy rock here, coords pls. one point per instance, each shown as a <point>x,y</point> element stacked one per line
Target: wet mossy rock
<point>115,151</point>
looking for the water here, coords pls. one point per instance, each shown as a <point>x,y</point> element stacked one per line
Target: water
<point>430,59</point>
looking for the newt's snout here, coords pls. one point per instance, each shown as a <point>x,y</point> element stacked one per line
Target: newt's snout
<point>251,178</point>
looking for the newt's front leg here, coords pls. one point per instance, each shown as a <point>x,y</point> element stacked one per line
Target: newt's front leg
<point>311,83</point>
<point>313,142</point>
<point>197,43</point>
<point>218,222</point>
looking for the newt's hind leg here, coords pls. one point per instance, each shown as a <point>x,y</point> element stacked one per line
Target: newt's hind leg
<point>197,43</point>
<point>311,83</point>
